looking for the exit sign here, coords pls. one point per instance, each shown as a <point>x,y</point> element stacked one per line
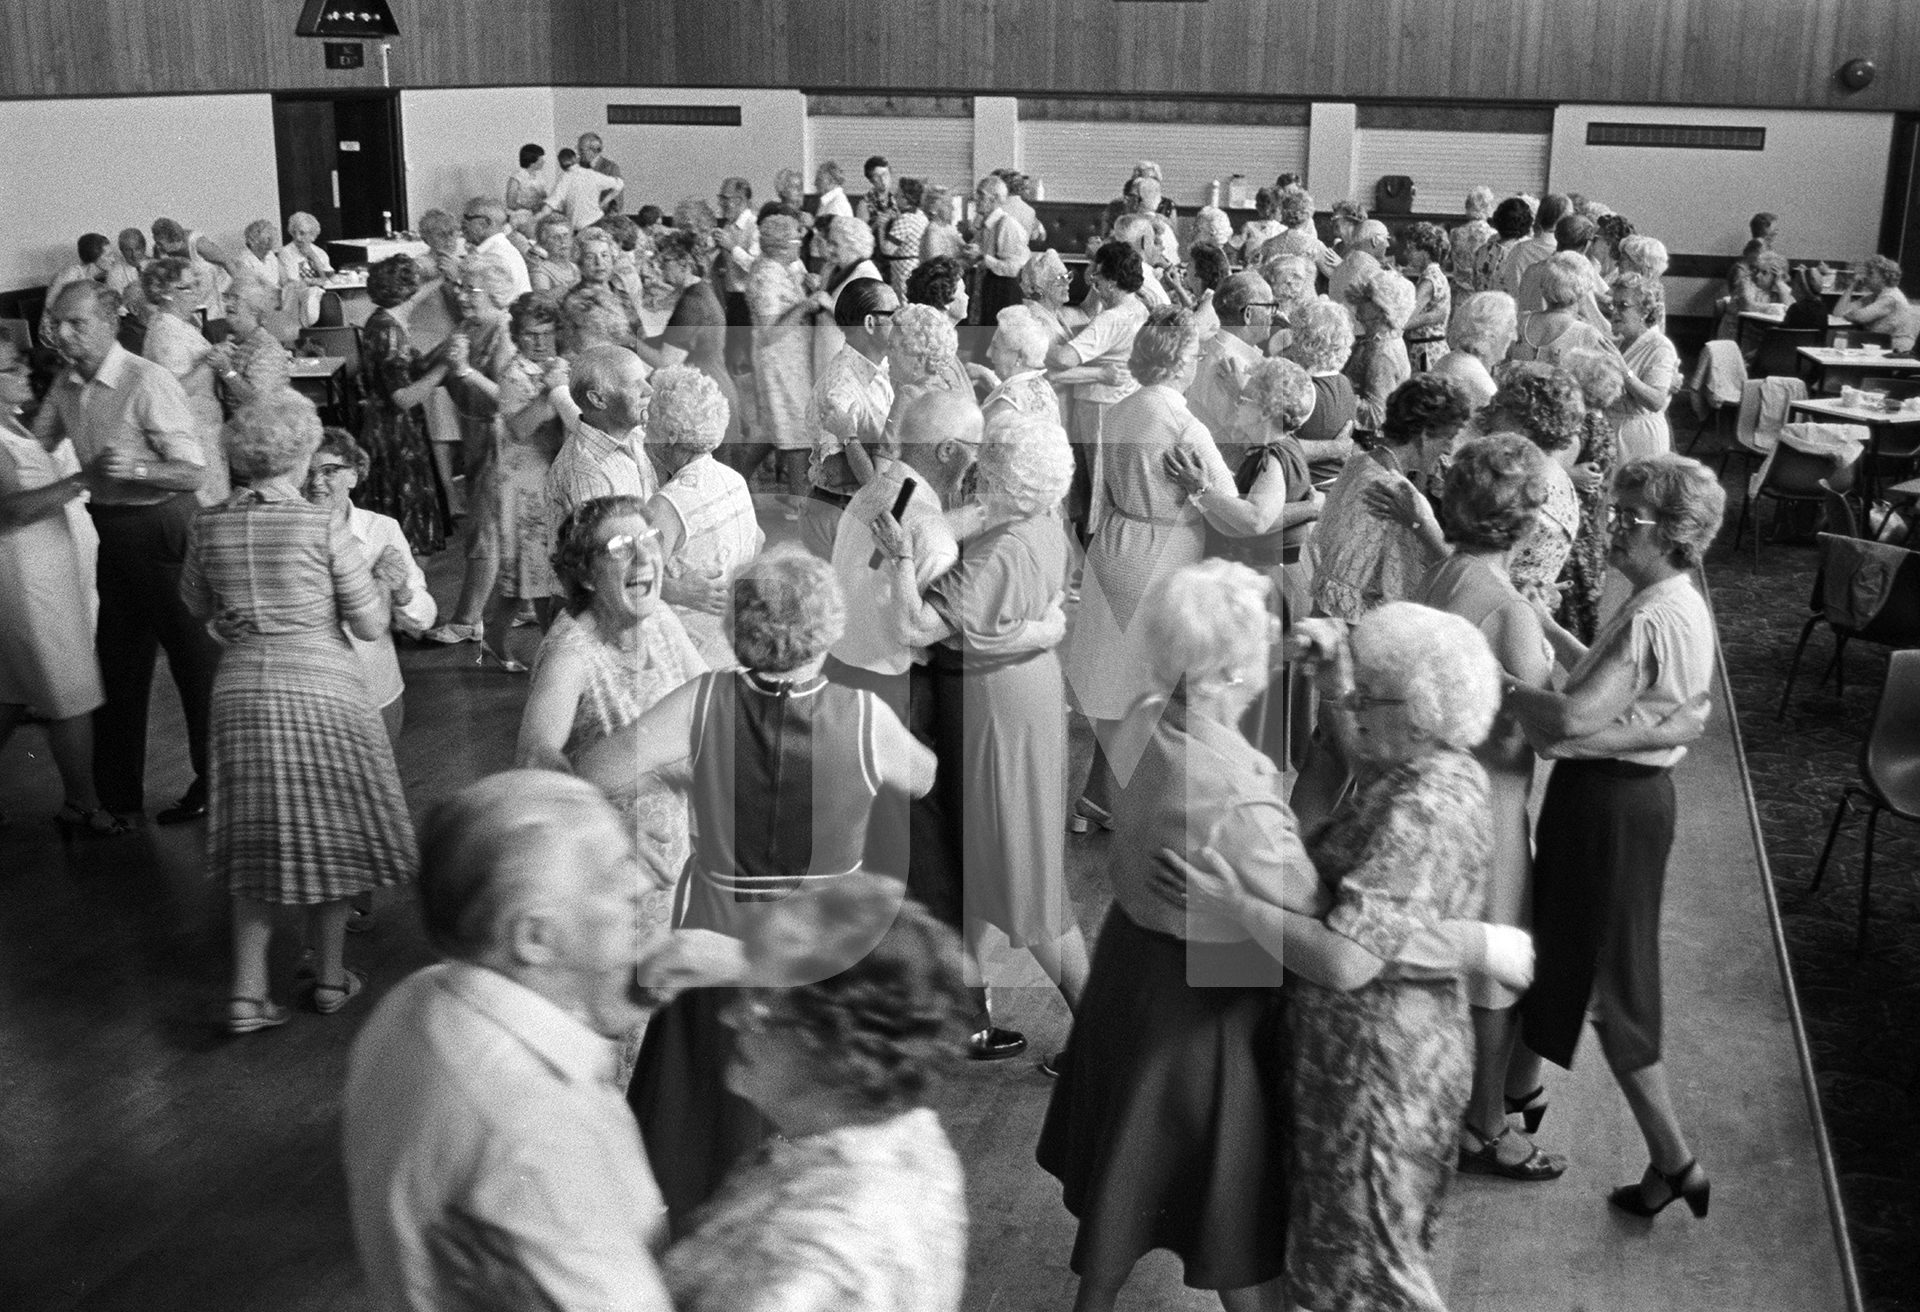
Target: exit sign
<point>346,54</point>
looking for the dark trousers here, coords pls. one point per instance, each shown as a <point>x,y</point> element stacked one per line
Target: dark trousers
<point>142,551</point>
<point>996,294</point>
<point>739,349</point>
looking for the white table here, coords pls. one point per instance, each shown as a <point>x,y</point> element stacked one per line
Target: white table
<point>1827,362</point>
<point>1879,422</point>
<point>383,248</point>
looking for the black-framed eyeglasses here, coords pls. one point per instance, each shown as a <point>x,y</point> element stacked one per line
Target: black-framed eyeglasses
<point>331,471</point>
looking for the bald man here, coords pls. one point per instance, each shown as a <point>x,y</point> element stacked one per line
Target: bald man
<point>1366,252</point>
<point>491,1159</point>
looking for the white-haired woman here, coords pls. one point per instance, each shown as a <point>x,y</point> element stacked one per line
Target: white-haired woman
<point>1321,342</point>
<point>1017,375</point>
<point>550,266</point>
<point>283,582</point>
<point>703,510</point>
<point>1482,332</point>
<point>1292,279</point>
<point>783,769</point>
<point>615,650</point>
<point>783,313</point>
<point>1168,1127</point>
<point>1012,730</point>
<point>923,355</point>
<point>304,263</point>
<point>256,362</point>
<point>259,261</point>
<point>846,256</point>
<point>1548,334</point>
<point>1494,488</point>
<point>1651,363</point>
<point>1382,303</point>
<point>1144,526</point>
<point>1631,702</point>
<point>1876,303</point>
<point>175,343</point>
<point>1465,241</point>
<point>1046,286</point>
<point>942,236</point>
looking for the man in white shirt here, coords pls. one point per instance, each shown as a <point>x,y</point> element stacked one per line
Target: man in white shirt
<point>491,1159</point>
<point>484,224</point>
<point>1003,250</point>
<point>738,237</point>
<point>849,407</point>
<point>832,186</point>
<point>1366,253</point>
<point>582,193</point>
<point>1229,355</point>
<point>1553,207</point>
<point>592,158</point>
<point>603,408</point>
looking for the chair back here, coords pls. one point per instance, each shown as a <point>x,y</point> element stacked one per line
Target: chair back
<point>1779,353</point>
<point>1861,337</point>
<point>19,332</point>
<point>1841,521</point>
<point>1764,404</point>
<point>341,343</point>
<point>1796,475</point>
<point>1891,760</point>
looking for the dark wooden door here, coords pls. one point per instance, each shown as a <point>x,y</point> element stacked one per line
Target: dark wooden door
<point>1900,226</point>
<point>339,159</point>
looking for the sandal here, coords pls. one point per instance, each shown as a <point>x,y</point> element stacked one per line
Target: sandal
<point>73,822</point>
<point>246,1015</point>
<point>329,998</point>
<point>1535,1167</point>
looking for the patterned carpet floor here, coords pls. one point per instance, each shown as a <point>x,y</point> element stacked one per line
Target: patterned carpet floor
<point>1862,1011</point>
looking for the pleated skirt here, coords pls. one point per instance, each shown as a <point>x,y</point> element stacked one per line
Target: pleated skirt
<point>1167,1126</point>
<point>304,802</point>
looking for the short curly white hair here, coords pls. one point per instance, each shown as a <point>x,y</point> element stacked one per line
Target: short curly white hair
<point>1438,662</point>
<point>1322,337</point>
<point>787,610</point>
<point>1043,272</point>
<point>1291,277</point>
<point>1646,256</point>
<point>1211,224</point>
<point>1480,202</point>
<point>1599,373</point>
<point>1389,293</point>
<point>1025,462</point>
<point>848,242</point>
<point>1210,621</point>
<point>1485,326</point>
<point>923,336</point>
<point>1281,391</point>
<point>1564,278</point>
<point>687,412</point>
<point>1025,334</point>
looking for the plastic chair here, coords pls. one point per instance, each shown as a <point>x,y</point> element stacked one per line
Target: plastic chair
<point>1896,624</point>
<point>1795,476</point>
<point>1779,351</point>
<point>342,342</point>
<point>1889,774</point>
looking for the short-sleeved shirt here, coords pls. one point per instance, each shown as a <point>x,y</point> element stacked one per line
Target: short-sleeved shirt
<point>595,464</point>
<point>1667,633</point>
<point>1214,394</point>
<point>868,642</point>
<point>1108,339</point>
<point>129,405</point>
<point>1522,257</point>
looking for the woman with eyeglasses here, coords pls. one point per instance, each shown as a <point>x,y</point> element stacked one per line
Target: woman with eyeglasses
<point>175,343</point>
<point>1631,703</point>
<point>615,650</point>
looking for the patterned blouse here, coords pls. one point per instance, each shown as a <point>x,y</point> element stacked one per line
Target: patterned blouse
<point>1542,550</point>
<point>1488,261</point>
<point>1029,394</point>
<point>866,1218</point>
<point>1464,244</point>
<point>718,532</point>
<point>1364,560</point>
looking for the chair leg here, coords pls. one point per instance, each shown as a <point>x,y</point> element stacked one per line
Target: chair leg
<point>1866,875</point>
<point>1740,525</point>
<point>1793,670</point>
<point>1841,810</point>
<point>1840,663</point>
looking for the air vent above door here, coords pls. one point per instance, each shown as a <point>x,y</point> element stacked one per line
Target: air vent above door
<point>674,116</point>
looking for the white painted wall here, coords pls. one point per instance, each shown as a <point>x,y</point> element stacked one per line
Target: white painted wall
<point>77,166</point>
<point>1823,173</point>
<point>464,142</point>
<point>662,165</point>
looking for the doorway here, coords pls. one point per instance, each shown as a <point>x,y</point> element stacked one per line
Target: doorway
<point>1900,222</point>
<point>340,160</point>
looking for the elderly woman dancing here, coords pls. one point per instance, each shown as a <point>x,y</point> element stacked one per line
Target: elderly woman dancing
<point>175,343</point>
<point>861,1205</point>
<point>394,385</point>
<point>1482,332</point>
<point>1651,363</point>
<point>615,651</point>
<point>1017,357</point>
<point>782,314</point>
<point>784,769</point>
<point>1013,734</point>
<point>1167,1128</point>
<point>703,510</point>
<point>1321,342</point>
<point>1382,303</point>
<point>292,720</point>
<point>1631,702</point>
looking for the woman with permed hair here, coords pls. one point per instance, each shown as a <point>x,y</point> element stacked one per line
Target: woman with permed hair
<point>283,582</point>
<point>904,230</point>
<point>783,768</point>
<point>1494,488</point>
<point>1423,247</point>
<point>696,331</point>
<point>1016,373</point>
<point>1321,342</point>
<point>1465,241</point>
<point>942,283</point>
<point>1482,332</point>
<point>703,510</point>
<point>863,1204</point>
<point>1512,223</point>
<point>1601,377</point>
<point>1382,303</point>
<point>923,355</point>
<point>175,343</point>
<point>1652,366</point>
<point>394,383</point>
<point>1543,405</point>
<point>1631,703</point>
<point>1549,333</point>
<point>782,313</point>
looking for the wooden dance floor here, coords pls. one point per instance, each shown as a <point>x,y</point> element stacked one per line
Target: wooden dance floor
<point>150,1163</point>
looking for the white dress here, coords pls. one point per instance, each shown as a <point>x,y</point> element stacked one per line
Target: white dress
<point>47,599</point>
<point>1645,432</point>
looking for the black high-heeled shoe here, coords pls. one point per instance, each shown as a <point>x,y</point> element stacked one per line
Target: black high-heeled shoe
<point>1531,1108</point>
<point>1632,1198</point>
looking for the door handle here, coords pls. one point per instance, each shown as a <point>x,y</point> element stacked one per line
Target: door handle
<point>336,188</point>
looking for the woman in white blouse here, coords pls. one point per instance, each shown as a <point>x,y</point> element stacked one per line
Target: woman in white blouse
<point>175,343</point>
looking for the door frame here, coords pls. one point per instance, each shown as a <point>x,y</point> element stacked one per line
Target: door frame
<point>401,217</point>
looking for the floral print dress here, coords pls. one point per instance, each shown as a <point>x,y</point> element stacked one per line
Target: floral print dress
<point>1381,1074</point>
<point>1542,551</point>
<point>1586,568</point>
<point>399,482</point>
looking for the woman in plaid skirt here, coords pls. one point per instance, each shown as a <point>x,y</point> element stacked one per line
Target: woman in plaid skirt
<point>305,807</point>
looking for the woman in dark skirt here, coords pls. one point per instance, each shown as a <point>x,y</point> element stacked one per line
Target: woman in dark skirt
<point>784,769</point>
<point>1631,703</point>
<point>1169,1127</point>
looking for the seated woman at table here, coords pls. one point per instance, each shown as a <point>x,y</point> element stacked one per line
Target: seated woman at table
<point>1758,281</point>
<point>302,261</point>
<point>1876,303</point>
<point>1808,309</point>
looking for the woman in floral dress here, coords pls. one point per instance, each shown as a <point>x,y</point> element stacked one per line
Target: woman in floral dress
<point>1601,380</point>
<point>399,481</point>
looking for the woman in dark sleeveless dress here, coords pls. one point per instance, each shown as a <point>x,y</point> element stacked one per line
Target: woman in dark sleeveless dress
<point>784,768</point>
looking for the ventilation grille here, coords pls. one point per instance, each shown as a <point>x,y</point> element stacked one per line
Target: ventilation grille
<point>674,116</point>
<point>1676,136</point>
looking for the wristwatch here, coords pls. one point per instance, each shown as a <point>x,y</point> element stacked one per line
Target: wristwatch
<point>139,473</point>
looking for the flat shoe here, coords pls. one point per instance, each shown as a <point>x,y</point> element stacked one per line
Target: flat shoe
<point>996,1044</point>
<point>450,634</point>
<point>246,1015</point>
<point>329,998</point>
